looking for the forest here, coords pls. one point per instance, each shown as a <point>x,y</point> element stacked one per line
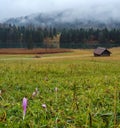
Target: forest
<point>76,38</point>
<point>24,36</point>
<point>12,36</point>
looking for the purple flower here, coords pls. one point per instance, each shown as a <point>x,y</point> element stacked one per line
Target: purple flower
<point>44,106</point>
<point>24,105</point>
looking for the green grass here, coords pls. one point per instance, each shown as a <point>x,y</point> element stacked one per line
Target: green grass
<point>87,97</point>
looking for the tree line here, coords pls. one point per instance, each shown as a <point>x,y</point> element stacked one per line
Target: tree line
<point>21,36</point>
<point>73,38</point>
<point>32,37</point>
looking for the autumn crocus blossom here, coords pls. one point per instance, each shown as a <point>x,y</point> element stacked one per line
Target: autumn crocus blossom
<point>24,105</point>
<point>44,106</point>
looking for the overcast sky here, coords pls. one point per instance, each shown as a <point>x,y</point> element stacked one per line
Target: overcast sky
<point>17,8</point>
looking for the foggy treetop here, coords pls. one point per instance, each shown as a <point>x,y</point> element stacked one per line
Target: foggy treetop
<point>98,9</point>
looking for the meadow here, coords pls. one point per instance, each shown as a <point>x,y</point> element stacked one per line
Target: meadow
<point>73,90</point>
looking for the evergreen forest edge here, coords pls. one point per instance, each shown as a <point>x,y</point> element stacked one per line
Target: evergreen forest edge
<point>12,36</point>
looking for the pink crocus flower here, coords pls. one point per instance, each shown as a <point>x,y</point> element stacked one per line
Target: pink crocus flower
<point>44,106</point>
<point>24,105</point>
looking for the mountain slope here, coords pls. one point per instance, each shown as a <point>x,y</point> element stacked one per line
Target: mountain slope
<point>64,19</point>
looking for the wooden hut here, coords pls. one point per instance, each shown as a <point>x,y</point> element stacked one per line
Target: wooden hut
<point>101,52</point>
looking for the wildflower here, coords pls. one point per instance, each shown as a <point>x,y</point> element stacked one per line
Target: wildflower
<point>36,89</point>
<point>44,106</point>
<point>56,89</point>
<point>24,105</point>
<point>34,94</point>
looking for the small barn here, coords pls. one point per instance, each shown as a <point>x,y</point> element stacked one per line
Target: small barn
<point>100,51</point>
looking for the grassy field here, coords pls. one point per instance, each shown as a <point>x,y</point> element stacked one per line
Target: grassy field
<point>79,90</point>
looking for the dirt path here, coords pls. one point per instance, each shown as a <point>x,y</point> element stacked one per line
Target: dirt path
<point>45,58</point>
<point>70,56</point>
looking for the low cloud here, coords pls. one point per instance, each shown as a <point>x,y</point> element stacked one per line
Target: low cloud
<point>93,9</point>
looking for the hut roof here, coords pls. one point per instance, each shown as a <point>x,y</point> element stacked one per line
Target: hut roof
<point>100,50</point>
